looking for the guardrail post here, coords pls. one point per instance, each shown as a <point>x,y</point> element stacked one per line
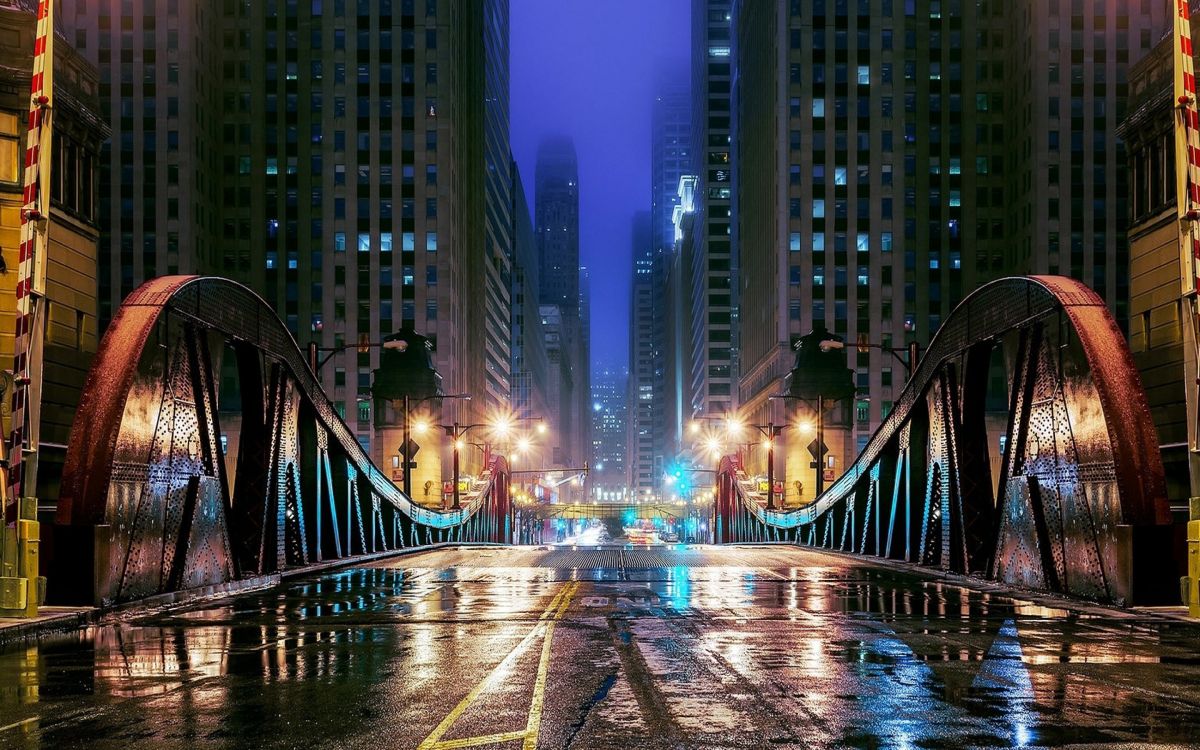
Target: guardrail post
<point>1190,584</point>
<point>22,590</point>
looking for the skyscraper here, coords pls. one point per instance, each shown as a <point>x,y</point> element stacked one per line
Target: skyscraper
<point>641,446</point>
<point>557,221</point>
<point>670,156</point>
<point>162,75</point>
<point>348,160</point>
<point>1065,87</point>
<point>891,160</point>
<point>530,364</point>
<point>557,225</point>
<point>713,350</point>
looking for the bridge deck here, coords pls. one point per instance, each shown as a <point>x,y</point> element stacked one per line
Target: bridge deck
<point>611,647</point>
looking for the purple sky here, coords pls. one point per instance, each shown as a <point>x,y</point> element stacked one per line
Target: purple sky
<point>588,68</point>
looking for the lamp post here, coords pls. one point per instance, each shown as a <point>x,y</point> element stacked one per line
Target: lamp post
<point>820,373</point>
<point>406,458</point>
<point>456,432</point>
<point>769,431</point>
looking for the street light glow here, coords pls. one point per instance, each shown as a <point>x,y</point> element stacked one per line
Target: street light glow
<point>502,426</point>
<point>459,444</point>
<point>805,427</point>
<point>420,426</point>
<point>766,444</point>
<point>523,445</point>
<point>734,426</point>
<point>541,428</point>
<point>694,427</point>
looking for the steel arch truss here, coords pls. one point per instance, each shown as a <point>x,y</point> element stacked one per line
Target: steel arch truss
<point>1022,450</point>
<point>147,504</point>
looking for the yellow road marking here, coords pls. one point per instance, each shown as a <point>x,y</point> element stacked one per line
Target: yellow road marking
<point>32,720</point>
<point>534,725</point>
<point>490,739</point>
<point>558,605</point>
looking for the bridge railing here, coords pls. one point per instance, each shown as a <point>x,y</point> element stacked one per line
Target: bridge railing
<point>1079,502</point>
<point>148,502</point>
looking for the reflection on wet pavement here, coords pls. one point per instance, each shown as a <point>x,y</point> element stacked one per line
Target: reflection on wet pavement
<point>659,648</point>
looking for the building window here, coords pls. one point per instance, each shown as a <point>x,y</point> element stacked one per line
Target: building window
<point>431,242</point>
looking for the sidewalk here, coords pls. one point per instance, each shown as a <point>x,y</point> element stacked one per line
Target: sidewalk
<point>49,620</point>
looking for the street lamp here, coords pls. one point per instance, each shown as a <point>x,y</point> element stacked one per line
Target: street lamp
<point>820,374</point>
<point>456,432</point>
<point>421,427</point>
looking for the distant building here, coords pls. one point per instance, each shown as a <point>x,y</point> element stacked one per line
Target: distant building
<point>1161,334</point>
<point>530,364</point>
<point>670,157</point>
<point>556,220</point>
<point>641,445</point>
<point>69,307</point>
<point>608,477</point>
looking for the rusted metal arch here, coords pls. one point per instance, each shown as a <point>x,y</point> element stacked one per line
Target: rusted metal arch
<point>216,304</point>
<point>942,400</point>
<point>179,315</point>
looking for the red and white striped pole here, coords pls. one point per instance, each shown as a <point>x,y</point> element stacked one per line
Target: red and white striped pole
<point>31,272</point>
<point>1187,175</point>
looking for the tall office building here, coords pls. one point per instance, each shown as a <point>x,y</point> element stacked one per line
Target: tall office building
<point>1065,90</point>
<point>347,159</point>
<point>892,159</point>
<point>161,88</point>
<point>712,346</point>
<point>491,69</point>
<point>670,157</point>
<point>556,220</point>
<point>557,226</point>
<point>530,364</point>
<point>583,378</point>
<point>640,443</point>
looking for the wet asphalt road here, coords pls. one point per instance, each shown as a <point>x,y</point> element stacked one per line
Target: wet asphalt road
<point>645,648</point>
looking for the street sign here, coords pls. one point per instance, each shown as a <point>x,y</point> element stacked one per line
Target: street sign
<point>813,447</point>
<point>778,487</point>
<point>410,448</point>
<point>447,488</point>
<point>828,475</point>
<point>397,475</point>
<point>764,486</point>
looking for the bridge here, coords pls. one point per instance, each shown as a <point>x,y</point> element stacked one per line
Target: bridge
<point>936,590</point>
<point>151,505</point>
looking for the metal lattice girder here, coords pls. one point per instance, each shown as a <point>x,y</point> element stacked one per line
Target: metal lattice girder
<point>147,486</point>
<point>1080,477</point>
